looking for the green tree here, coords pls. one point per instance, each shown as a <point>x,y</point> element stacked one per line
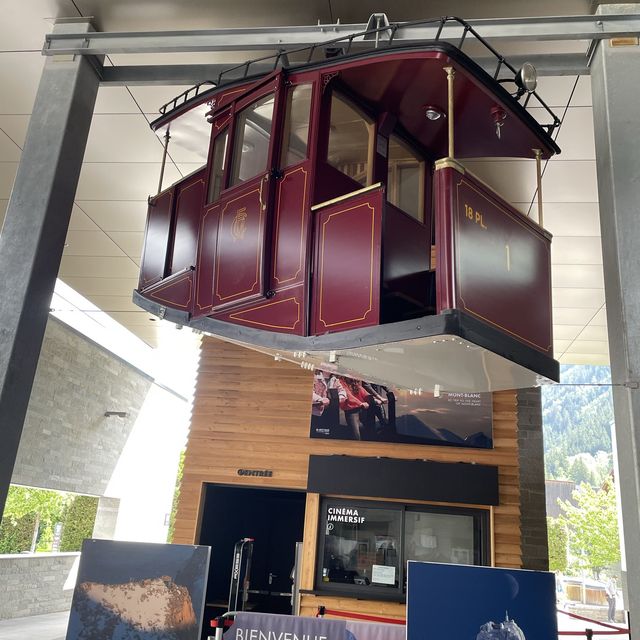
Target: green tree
<point>42,507</point>
<point>558,541</point>
<point>593,527</point>
<point>78,522</point>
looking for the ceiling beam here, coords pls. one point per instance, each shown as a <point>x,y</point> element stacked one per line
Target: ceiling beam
<point>289,38</point>
<point>573,64</point>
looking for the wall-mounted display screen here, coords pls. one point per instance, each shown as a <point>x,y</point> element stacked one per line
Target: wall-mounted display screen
<point>348,409</point>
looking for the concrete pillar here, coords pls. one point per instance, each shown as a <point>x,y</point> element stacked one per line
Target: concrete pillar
<point>533,513</point>
<point>35,228</point>
<point>615,79</point>
<point>106,518</point>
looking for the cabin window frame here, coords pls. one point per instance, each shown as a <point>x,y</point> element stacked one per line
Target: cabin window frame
<point>284,127</point>
<point>481,542</point>
<point>225,129</point>
<point>368,117</point>
<point>404,141</point>
<point>238,111</point>
<point>252,94</point>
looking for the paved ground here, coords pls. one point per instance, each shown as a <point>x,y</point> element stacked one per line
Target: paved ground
<point>51,626</point>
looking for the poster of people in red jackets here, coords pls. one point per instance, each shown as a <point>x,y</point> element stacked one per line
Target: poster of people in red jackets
<point>344,408</point>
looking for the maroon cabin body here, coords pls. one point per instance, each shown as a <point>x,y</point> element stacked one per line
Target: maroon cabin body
<point>322,209</point>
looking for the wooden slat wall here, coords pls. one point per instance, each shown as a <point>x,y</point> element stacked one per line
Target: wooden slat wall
<point>251,412</point>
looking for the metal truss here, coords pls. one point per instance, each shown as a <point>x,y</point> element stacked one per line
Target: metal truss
<point>377,32</point>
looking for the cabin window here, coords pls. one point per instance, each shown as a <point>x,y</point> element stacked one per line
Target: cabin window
<point>364,546</point>
<point>216,178</point>
<point>296,125</point>
<point>405,178</point>
<point>350,141</point>
<point>252,137</point>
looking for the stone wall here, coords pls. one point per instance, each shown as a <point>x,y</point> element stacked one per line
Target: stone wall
<point>34,584</point>
<point>67,442</point>
<point>533,523</point>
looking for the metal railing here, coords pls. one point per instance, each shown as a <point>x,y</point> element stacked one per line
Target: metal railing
<point>380,36</point>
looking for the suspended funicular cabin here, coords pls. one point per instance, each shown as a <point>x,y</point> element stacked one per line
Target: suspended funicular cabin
<point>333,222</point>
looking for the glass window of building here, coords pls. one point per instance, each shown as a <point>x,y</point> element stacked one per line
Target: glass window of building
<point>296,127</point>
<point>439,537</point>
<point>361,545</point>
<point>405,178</point>
<point>217,165</point>
<point>350,141</point>
<point>364,546</point>
<point>252,137</point>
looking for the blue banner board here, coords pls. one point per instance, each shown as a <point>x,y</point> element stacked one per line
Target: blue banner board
<point>479,603</point>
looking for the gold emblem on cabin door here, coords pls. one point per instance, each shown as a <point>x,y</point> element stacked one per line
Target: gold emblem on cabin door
<point>239,224</point>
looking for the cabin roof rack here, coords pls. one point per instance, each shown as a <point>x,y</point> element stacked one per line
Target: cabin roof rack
<point>379,34</point>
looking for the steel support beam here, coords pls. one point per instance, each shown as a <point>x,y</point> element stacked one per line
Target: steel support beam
<point>573,64</point>
<point>615,78</point>
<point>287,38</point>
<point>34,232</point>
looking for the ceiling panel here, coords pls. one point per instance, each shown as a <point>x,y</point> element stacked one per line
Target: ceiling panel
<point>576,250</point>
<point>589,276</point>
<point>111,304</point>
<point>97,267</point>
<point>19,89</point>
<point>9,150</point>
<point>150,99</point>
<point>570,181</point>
<point>115,100</point>
<point>571,218</point>
<point>119,215</point>
<point>594,332</point>
<point>121,180</point>
<point>129,241</point>
<point>7,176</point>
<point>90,243</point>
<point>584,358</point>
<point>101,286</point>
<point>578,298</point>
<point>111,133</point>
<point>588,346</point>
<point>582,94</point>
<point>566,331</point>
<point>119,15</point>
<point>576,138</point>
<point>572,316</point>
<point>3,209</point>
<point>80,221</point>
<point>15,127</point>
<point>132,318</point>
<point>24,28</point>
<point>600,318</point>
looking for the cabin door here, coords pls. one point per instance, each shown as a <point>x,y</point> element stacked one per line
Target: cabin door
<point>244,206</point>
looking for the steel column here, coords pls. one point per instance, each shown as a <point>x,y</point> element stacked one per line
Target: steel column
<point>615,78</point>
<point>34,231</point>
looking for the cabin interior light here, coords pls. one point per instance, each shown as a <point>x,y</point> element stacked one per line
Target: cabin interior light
<point>526,79</point>
<point>433,113</point>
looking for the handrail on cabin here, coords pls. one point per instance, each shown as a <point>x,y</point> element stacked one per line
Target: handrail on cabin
<point>281,59</point>
<point>346,196</point>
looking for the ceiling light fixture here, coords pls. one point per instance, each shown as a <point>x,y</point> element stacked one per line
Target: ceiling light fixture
<point>433,113</point>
